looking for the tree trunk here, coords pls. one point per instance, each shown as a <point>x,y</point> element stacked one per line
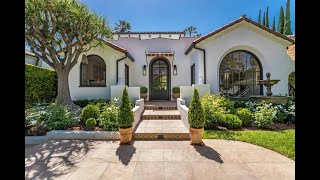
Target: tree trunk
<point>64,97</point>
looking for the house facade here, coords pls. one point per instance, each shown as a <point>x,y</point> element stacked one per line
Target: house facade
<point>231,59</point>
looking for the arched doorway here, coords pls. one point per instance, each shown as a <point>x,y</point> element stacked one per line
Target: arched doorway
<point>159,82</point>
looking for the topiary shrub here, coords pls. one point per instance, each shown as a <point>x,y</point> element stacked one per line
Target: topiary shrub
<point>233,121</point>
<point>58,117</point>
<point>125,114</point>
<point>195,114</point>
<point>91,123</point>
<point>143,90</point>
<point>245,115</point>
<point>109,117</point>
<point>264,115</point>
<point>90,111</point>
<point>176,90</point>
<point>40,85</point>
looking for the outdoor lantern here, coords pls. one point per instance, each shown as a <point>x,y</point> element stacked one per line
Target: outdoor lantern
<point>175,70</point>
<point>144,70</point>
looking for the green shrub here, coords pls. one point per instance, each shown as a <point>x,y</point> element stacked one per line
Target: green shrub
<point>233,121</point>
<point>245,115</point>
<point>241,103</point>
<point>125,114</point>
<point>81,102</point>
<point>34,115</point>
<point>101,103</point>
<point>196,116</point>
<point>58,117</point>
<point>176,90</point>
<point>215,107</point>
<point>90,111</point>
<point>91,123</point>
<point>109,117</point>
<point>264,115</point>
<point>40,85</point>
<point>143,90</point>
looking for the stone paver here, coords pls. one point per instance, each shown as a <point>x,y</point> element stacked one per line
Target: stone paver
<point>161,159</point>
<point>161,126</point>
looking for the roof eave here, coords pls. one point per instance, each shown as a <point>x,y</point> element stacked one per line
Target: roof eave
<point>190,48</point>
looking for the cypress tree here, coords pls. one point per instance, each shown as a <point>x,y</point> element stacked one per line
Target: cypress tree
<point>274,24</point>
<point>125,114</point>
<point>196,117</point>
<point>287,22</point>
<point>259,17</point>
<point>264,19</point>
<point>267,18</point>
<point>281,21</point>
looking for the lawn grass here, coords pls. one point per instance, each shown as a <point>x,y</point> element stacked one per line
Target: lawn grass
<point>282,142</point>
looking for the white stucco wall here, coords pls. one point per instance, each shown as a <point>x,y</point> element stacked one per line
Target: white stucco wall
<point>30,60</point>
<point>137,49</point>
<point>269,49</point>
<point>110,56</point>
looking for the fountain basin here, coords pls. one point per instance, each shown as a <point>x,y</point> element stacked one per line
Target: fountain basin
<point>268,82</point>
<point>270,99</point>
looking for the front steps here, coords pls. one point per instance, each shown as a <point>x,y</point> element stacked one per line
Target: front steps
<point>161,121</point>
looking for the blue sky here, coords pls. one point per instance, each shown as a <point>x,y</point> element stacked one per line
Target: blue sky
<point>176,15</point>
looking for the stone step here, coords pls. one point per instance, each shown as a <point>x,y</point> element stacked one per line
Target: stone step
<point>164,136</point>
<point>161,114</point>
<point>151,107</point>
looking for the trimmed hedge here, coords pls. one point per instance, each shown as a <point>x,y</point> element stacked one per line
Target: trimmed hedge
<point>41,85</point>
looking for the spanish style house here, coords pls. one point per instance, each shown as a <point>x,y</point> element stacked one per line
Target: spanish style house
<point>231,59</point>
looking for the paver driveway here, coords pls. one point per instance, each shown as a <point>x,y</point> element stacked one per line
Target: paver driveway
<point>219,159</point>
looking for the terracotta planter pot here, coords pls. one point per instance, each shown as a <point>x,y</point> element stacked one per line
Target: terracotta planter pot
<point>125,135</point>
<point>176,95</point>
<point>196,136</point>
<point>144,96</point>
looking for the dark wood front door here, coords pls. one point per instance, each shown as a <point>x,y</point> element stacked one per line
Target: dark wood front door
<point>159,80</point>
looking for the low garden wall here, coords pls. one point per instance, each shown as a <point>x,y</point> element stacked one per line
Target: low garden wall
<point>186,92</point>
<point>183,109</point>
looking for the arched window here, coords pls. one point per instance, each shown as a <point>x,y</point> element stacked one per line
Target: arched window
<point>239,73</point>
<point>93,73</point>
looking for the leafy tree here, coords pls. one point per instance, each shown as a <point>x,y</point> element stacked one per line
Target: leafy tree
<point>58,32</point>
<point>125,114</point>
<point>191,30</point>
<point>259,17</point>
<point>274,24</point>
<point>195,114</point>
<point>123,26</point>
<point>264,19</point>
<point>267,17</point>
<point>198,35</point>
<point>287,21</point>
<point>281,21</point>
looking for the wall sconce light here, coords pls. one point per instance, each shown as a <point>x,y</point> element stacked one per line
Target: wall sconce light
<point>175,70</point>
<point>144,70</point>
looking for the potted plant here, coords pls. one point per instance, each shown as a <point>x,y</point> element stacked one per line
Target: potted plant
<point>125,118</point>
<point>196,119</point>
<point>176,92</point>
<point>143,92</point>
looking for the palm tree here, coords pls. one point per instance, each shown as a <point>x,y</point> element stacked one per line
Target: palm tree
<point>191,30</point>
<point>123,26</point>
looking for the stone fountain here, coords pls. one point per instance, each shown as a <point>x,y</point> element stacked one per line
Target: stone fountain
<point>268,83</point>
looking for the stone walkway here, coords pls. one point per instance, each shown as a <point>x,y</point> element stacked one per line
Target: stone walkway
<point>219,159</point>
